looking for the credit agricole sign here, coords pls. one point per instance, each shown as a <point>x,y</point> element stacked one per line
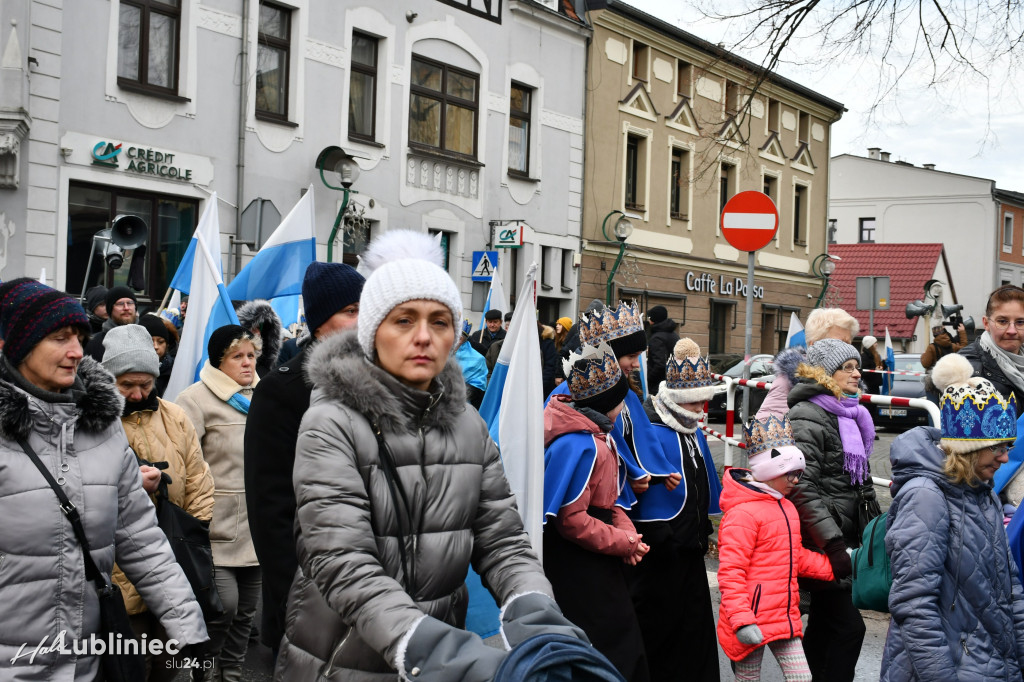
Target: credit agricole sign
<point>136,159</point>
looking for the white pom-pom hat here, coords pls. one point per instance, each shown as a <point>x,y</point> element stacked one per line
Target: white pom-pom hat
<point>400,266</point>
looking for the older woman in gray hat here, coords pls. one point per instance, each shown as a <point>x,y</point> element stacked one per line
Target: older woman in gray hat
<point>160,433</point>
<point>835,498</point>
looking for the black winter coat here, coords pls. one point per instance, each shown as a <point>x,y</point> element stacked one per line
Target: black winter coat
<point>986,366</point>
<point>278,403</point>
<point>659,350</point>
<point>830,506</point>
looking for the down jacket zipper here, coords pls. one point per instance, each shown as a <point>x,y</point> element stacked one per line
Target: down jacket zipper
<point>789,593</point>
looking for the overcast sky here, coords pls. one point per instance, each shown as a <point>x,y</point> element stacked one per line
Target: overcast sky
<point>953,127</point>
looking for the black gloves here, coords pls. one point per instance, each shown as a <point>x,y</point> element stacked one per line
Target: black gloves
<point>536,614</point>
<point>842,567</point>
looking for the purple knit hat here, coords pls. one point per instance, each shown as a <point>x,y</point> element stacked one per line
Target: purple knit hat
<point>29,311</point>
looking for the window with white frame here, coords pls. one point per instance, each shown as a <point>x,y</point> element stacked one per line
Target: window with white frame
<point>148,40</point>
<point>684,78</point>
<point>636,166</point>
<point>362,94</point>
<point>679,205</point>
<point>1007,233</point>
<point>273,57</point>
<point>520,107</point>
<point>641,54</point>
<point>800,207</point>
<point>443,107</point>
<point>726,185</point>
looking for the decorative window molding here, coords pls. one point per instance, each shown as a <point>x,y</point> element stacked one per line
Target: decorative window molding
<point>638,103</point>
<point>643,167</point>
<point>731,136</point>
<point>802,160</point>
<point>278,135</point>
<point>682,118</point>
<point>370,22</point>
<point>772,150</point>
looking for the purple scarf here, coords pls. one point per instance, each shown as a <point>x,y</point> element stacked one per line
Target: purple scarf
<point>856,430</point>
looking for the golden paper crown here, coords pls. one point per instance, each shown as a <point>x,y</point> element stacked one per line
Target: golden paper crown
<point>608,324</point>
<point>600,373</point>
<point>769,434</point>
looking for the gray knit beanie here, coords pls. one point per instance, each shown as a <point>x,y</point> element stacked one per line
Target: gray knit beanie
<point>831,354</point>
<point>129,348</point>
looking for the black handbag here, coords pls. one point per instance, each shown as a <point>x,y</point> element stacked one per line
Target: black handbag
<point>190,541</point>
<point>114,623</point>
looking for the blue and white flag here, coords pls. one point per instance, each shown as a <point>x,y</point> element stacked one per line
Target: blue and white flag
<point>278,267</point>
<point>890,364</point>
<point>643,375</point>
<point>209,305</point>
<point>513,407</point>
<point>795,336</point>
<point>496,297</point>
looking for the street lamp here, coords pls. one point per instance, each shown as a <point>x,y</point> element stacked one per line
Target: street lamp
<point>336,160</point>
<point>823,266</point>
<point>622,229</point>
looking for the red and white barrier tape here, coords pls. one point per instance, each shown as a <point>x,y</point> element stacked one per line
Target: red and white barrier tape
<point>896,371</point>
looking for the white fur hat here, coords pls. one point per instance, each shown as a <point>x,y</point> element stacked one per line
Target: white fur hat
<point>868,341</point>
<point>400,266</point>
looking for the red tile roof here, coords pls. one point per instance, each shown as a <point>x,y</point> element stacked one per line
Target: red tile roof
<point>908,267</point>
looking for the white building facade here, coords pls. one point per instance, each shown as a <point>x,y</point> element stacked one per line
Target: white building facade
<point>875,200</point>
<point>465,118</point>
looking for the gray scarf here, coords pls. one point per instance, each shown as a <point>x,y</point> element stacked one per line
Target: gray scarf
<point>1010,364</point>
<point>674,416</point>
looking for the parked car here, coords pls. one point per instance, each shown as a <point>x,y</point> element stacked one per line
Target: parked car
<point>760,370</point>
<point>905,386</point>
<point>719,362</point>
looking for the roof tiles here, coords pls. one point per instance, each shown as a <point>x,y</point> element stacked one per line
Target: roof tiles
<point>908,267</point>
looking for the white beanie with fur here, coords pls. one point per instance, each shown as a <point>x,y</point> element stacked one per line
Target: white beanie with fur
<point>400,266</point>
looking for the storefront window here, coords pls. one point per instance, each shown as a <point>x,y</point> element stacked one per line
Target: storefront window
<point>147,269</point>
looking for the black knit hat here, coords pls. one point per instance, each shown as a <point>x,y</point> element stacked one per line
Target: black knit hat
<point>493,314</point>
<point>155,326</point>
<point>29,311</point>
<point>94,297</point>
<point>326,289</point>
<point>607,401</point>
<point>629,344</point>
<point>657,314</point>
<point>116,294</point>
<point>221,339</point>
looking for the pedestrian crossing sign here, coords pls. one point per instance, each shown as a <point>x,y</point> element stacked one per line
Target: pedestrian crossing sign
<point>484,263</point>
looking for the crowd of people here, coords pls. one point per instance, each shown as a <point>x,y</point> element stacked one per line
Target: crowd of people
<point>347,482</point>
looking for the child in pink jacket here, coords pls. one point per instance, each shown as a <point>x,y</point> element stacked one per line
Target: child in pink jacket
<point>761,556</point>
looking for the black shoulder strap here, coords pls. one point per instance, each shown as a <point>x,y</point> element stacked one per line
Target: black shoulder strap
<point>71,511</point>
<point>397,490</point>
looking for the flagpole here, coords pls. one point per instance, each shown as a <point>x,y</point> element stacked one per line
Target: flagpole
<point>163,303</point>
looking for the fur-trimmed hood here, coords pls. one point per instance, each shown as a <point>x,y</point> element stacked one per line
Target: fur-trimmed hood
<point>339,371</point>
<point>787,361</point>
<point>94,394</point>
<point>820,379</point>
<point>259,314</point>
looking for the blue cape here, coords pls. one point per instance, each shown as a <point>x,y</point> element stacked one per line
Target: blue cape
<point>474,366</point>
<point>568,463</point>
<point>642,439</point>
<point>1006,472</point>
<point>661,504</point>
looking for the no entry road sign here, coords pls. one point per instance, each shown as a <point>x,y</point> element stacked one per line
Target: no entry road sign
<point>750,221</point>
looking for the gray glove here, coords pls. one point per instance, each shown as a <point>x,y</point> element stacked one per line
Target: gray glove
<point>749,634</point>
<point>536,614</point>
<point>438,652</point>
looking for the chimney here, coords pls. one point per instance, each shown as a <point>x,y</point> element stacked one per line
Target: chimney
<point>873,152</point>
<point>928,166</point>
<point>884,156</point>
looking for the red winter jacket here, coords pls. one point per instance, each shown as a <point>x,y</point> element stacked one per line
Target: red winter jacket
<point>760,557</point>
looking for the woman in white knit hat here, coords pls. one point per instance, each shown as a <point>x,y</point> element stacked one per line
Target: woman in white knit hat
<point>399,488</point>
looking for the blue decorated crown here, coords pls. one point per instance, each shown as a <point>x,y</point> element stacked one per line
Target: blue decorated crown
<point>769,434</point>
<point>974,414</point>
<point>607,324</point>
<point>600,373</point>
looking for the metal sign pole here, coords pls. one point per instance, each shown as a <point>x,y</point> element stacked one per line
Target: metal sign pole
<point>747,334</point>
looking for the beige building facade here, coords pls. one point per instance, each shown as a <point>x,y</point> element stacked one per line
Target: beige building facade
<point>675,126</point>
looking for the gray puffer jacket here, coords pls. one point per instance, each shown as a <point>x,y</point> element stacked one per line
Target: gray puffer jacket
<point>830,506</point>
<point>957,606</point>
<point>348,526</point>
<point>43,591</point>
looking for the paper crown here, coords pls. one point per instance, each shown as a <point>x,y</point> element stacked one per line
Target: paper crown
<point>600,373</point>
<point>687,375</point>
<point>607,324</point>
<point>973,415</point>
<point>767,435</point>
